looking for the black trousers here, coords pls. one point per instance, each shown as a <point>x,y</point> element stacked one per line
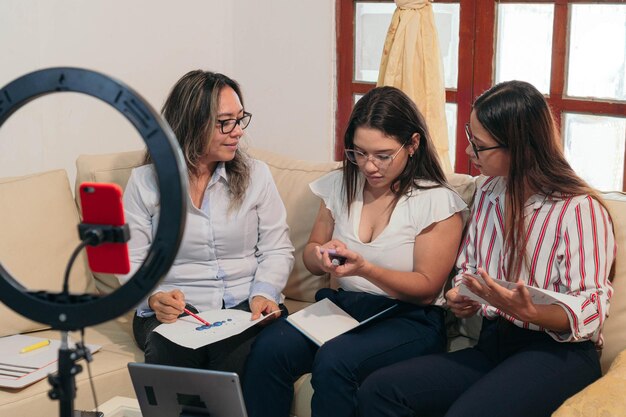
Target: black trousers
<point>227,355</point>
<point>511,372</point>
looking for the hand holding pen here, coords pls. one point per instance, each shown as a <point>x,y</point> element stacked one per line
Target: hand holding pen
<point>167,305</point>
<point>341,261</point>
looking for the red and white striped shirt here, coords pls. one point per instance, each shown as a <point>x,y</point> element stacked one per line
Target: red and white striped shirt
<point>570,250</point>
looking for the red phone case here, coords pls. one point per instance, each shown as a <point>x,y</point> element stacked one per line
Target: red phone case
<point>102,204</point>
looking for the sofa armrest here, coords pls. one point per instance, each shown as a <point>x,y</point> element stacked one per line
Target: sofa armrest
<point>605,397</point>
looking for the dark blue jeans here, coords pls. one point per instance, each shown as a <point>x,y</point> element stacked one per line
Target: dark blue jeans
<point>510,372</point>
<point>281,354</point>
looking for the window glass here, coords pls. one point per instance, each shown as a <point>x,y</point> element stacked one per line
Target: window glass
<point>451,119</point>
<point>524,43</point>
<point>597,51</point>
<point>371,23</point>
<point>447,22</point>
<point>594,146</point>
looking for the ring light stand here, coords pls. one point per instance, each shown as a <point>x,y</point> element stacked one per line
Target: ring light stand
<point>67,312</point>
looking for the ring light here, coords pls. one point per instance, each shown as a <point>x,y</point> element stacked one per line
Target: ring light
<point>77,311</point>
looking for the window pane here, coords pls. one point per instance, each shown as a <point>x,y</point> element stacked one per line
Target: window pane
<point>356,97</point>
<point>594,146</point>
<point>451,118</point>
<point>447,21</point>
<point>371,23</point>
<point>597,51</point>
<point>524,44</point>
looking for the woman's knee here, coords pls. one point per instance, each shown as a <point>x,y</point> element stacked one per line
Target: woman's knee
<point>333,360</point>
<point>276,343</point>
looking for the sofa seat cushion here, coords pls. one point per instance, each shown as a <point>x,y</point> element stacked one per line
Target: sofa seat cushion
<point>39,221</point>
<point>110,374</point>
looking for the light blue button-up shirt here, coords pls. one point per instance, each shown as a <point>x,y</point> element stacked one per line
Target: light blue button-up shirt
<point>225,257</point>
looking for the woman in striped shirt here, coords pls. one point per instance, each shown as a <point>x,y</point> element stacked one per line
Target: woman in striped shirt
<point>536,224</point>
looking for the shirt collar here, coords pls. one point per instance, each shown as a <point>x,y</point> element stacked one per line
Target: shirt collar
<point>219,173</point>
<point>496,188</point>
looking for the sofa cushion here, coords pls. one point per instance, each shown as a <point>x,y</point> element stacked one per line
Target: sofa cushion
<point>614,331</point>
<point>292,178</point>
<point>603,398</point>
<point>463,184</point>
<point>39,221</point>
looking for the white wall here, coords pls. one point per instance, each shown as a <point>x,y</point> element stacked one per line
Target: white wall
<point>282,55</point>
<point>285,60</point>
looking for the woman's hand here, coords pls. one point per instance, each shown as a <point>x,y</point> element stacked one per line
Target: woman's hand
<point>354,262</point>
<point>261,305</point>
<point>462,307</point>
<point>516,302</point>
<point>322,257</point>
<point>167,305</point>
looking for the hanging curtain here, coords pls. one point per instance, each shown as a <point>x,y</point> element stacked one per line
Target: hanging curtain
<point>411,62</point>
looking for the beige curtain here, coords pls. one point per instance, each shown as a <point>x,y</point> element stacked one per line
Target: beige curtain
<point>411,62</point>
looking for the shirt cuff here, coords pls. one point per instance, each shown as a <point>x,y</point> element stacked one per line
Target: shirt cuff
<point>266,290</point>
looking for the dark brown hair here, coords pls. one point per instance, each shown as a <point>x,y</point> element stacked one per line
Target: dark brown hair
<point>517,115</point>
<point>392,112</point>
<point>191,111</point>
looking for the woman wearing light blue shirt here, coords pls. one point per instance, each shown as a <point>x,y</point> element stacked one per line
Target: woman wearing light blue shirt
<point>235,251</point>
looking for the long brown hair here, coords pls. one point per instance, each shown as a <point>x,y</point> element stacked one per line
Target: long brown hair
<point>191,110</point>
<point>517,116</point>
<point>393,113</point>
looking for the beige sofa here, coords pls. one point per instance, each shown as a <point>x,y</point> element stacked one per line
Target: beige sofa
<point>44,203</point>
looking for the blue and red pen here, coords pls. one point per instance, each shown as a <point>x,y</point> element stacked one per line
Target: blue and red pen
<point>197,317</point>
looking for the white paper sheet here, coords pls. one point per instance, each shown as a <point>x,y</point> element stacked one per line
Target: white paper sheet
<point>18,370</point>
<point>190,333</point>
<point>538,295</point>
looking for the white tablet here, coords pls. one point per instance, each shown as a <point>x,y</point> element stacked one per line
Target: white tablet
<point>167,391</point>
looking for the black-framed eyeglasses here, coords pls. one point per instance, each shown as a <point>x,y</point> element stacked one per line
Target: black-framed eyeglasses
<point>380,160</point>
<point>476,149</point>
<point>228,125</point>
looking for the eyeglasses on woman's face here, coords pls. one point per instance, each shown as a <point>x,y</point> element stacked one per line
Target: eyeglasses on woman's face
<point>380,160</point>
<point>477,149</point>
<point>228,125</point>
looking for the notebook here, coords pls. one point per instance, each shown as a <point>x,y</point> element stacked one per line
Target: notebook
<point>166,391</point>
<point>20,367</point>
<point>325,320</point>
<point>538,295</point>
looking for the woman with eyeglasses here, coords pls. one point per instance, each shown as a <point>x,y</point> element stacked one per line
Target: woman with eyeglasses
<point>534,224</point>
<point>390,215</point>
<point>235,251</point>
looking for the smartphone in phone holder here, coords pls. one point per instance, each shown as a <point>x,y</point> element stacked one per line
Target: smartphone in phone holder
<point>104,228</point>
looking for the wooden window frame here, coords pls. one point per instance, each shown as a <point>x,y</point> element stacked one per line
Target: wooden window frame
<point>477,38</point>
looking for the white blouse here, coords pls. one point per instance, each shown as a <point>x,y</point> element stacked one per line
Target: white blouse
<point>225,257</point>
<point>393,247</point>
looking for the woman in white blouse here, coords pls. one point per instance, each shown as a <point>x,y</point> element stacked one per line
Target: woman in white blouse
<point>534,223</point>
<point>390,214</point>
<point>235,251</point>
